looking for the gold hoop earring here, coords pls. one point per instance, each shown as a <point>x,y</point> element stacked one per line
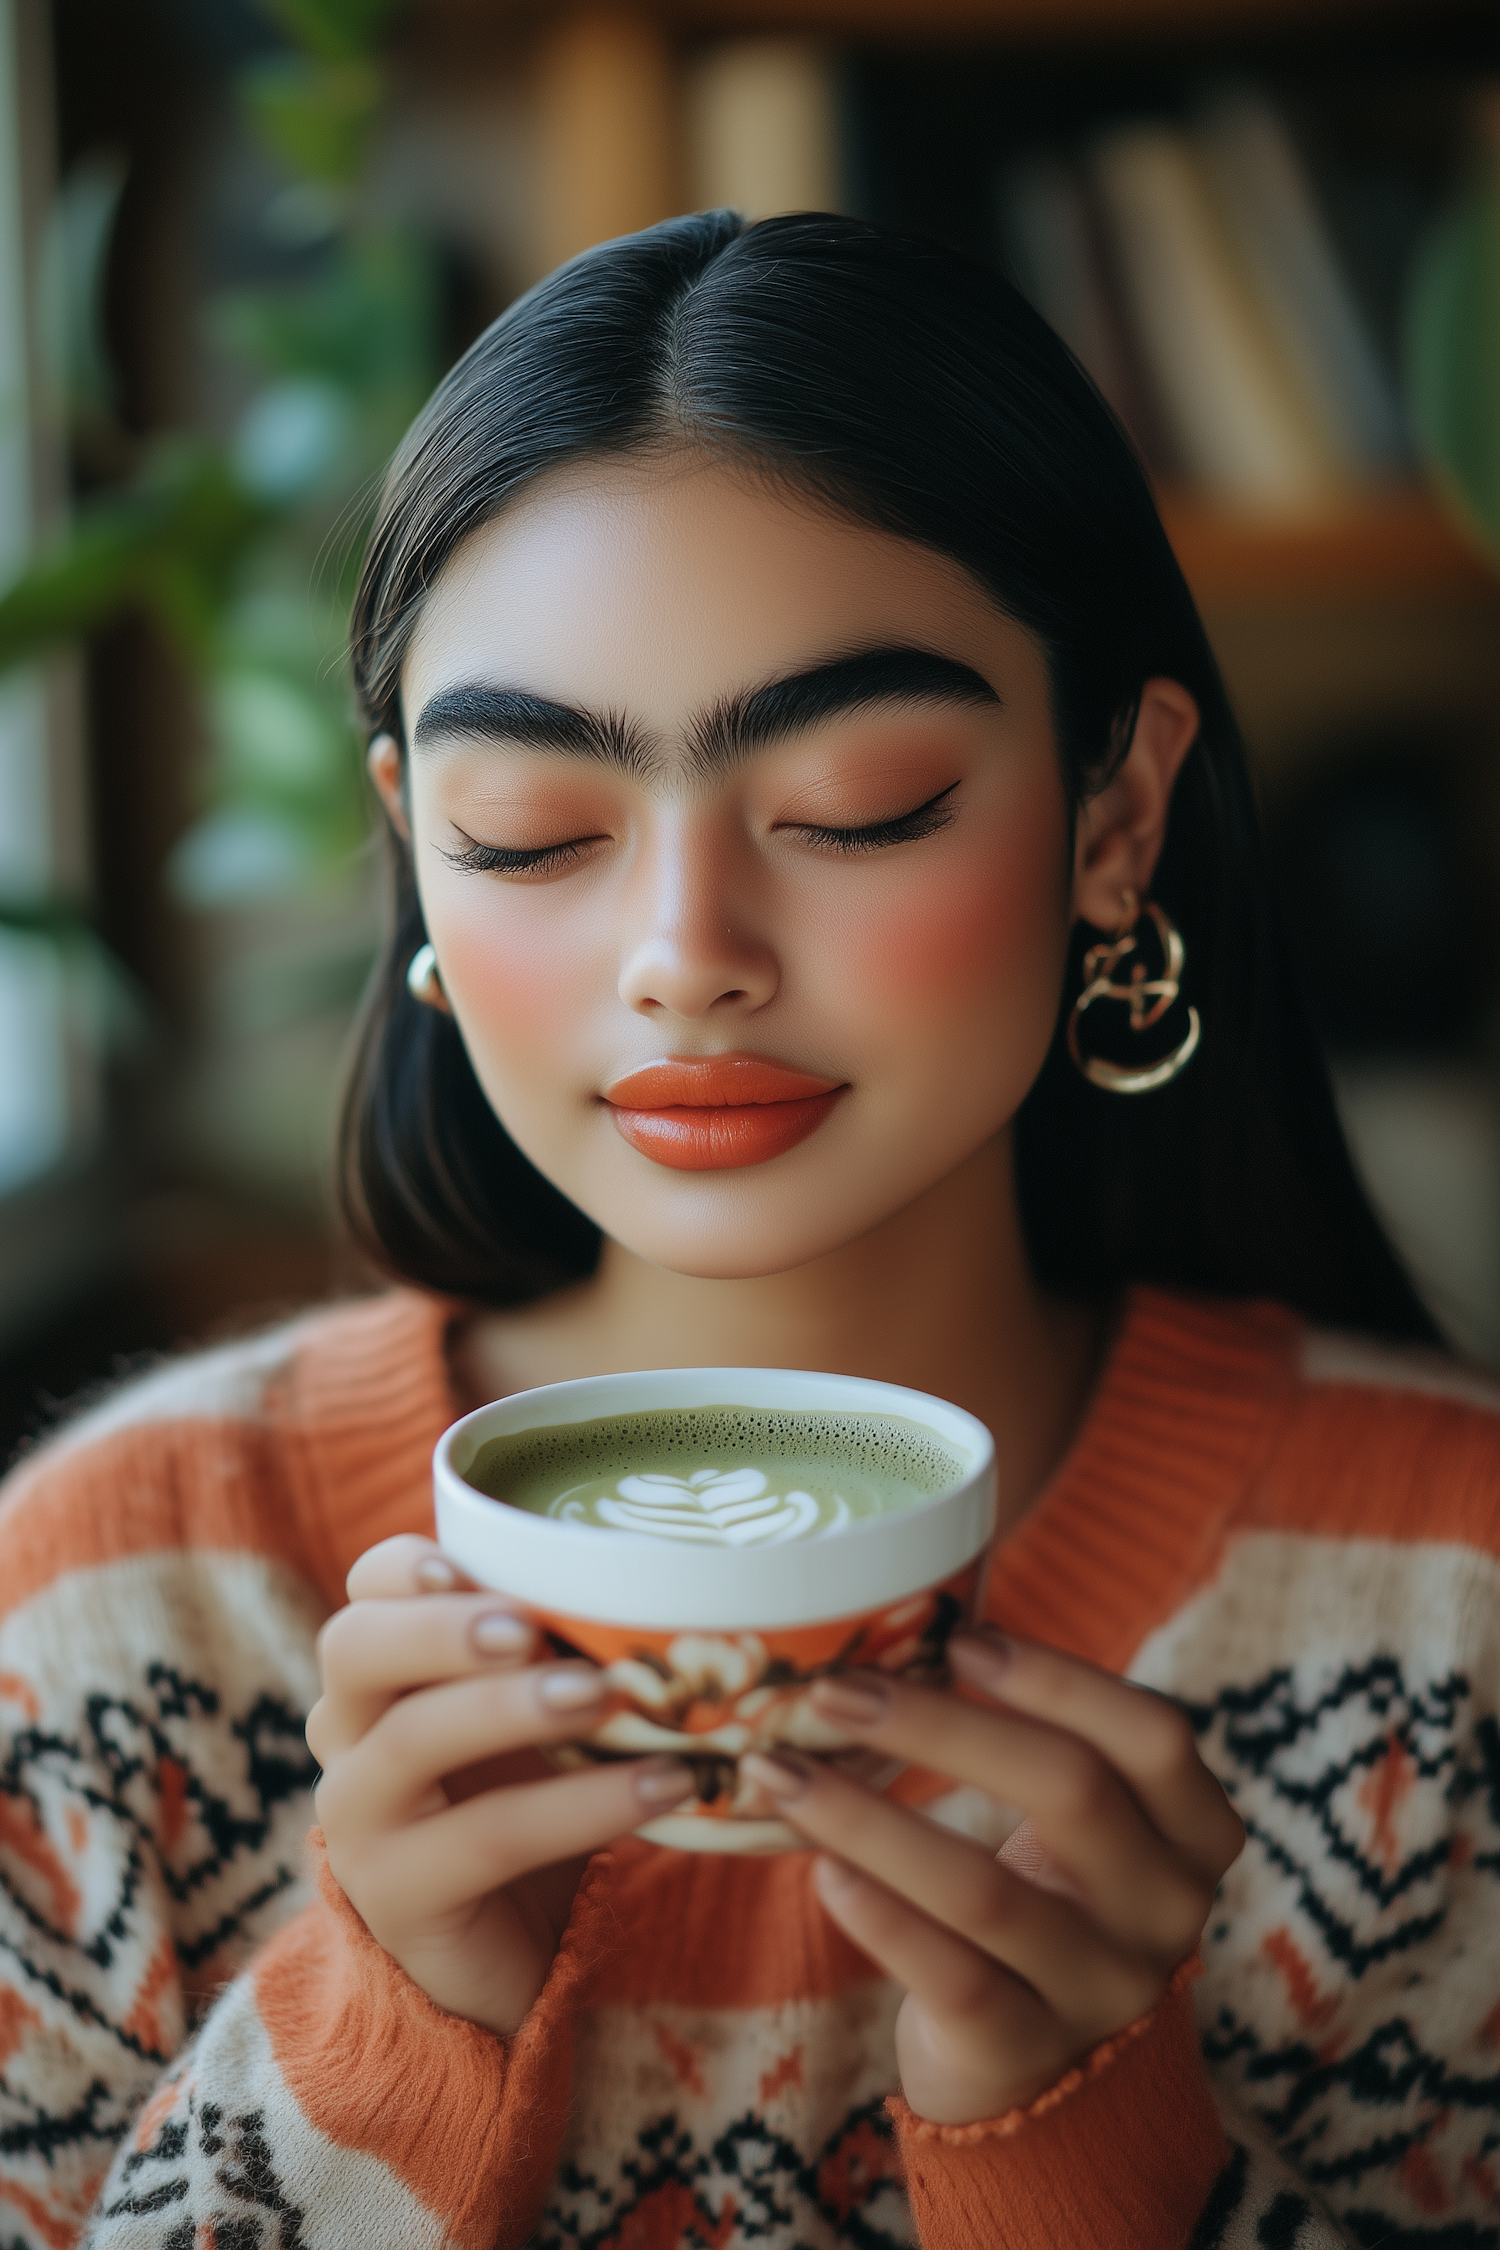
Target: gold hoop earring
<point>1148,999</point>
<point>423,981</point>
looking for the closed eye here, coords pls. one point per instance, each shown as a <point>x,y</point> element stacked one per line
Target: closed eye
<point>502,859</point>
<point>922,820</point>
<point>546,859</point>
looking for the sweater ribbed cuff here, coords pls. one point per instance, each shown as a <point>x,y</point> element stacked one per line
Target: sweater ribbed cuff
<point>1123,2150</point>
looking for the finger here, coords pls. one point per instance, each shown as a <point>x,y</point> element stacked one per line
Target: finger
<point>393,1770</point>
<point>402,1567</point>
<point>979,2042</point>
<point>372,1651</point>
<point>1048,1940</point>
<point>1141,1734</point>
<point>1085,1817</point>
<point>946,1973</point>
<point>461,1853</point>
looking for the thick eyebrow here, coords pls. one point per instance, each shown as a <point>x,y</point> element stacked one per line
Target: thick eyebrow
<point>759,717</point>
<point>496,714</point>
<point>730,730</point>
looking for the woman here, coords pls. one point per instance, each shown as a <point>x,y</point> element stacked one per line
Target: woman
<point>775,669</point>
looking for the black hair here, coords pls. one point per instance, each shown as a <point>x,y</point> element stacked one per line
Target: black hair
<point>913,390</point>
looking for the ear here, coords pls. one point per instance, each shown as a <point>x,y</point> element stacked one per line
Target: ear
<point>384,765</point>
<point>1120,831</point>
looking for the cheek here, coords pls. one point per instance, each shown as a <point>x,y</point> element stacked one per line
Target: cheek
<point>994,927</point>
<point>514,989</point>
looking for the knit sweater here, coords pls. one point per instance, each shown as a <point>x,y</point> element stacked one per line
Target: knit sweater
<point>203,2048</point>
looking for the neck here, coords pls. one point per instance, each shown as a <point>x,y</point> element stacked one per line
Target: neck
<point>940,1297</point>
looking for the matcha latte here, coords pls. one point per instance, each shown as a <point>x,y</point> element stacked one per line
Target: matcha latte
<point>719,1476</point>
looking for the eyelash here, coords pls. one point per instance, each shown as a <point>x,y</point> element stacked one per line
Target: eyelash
<point>498,859</point>
<point>906,828</point>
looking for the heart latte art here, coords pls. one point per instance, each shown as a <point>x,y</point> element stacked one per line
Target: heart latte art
<point>723,1507</point>
<point>719,1476</point>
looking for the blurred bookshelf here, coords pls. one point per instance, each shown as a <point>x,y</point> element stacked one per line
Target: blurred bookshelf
<point>1355,589</point>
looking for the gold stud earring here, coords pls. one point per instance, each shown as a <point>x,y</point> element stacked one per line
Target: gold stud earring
<point>423,981</point>
<point>1148,998</point>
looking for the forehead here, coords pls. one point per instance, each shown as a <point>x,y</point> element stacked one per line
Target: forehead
<point>654,586</point>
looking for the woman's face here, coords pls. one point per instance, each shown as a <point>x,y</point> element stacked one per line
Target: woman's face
<point>703,775</point>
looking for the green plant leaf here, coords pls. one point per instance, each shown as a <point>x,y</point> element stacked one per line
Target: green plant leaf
<point>333,30</point>
<point>171,541</point>
<point>47,918</point>
<point>317,117</point>
<point>114,1008</point>
<point>367,323</point>
<point>67,591</point>
<point>1453,357</point>
<point>244,550</point>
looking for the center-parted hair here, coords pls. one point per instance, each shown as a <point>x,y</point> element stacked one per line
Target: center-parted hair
<point>914,391</point>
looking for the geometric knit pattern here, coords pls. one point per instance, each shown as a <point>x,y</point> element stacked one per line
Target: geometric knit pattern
<point>1296,1536</point>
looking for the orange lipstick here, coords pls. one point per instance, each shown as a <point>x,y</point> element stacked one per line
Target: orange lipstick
<point>717,1113</point>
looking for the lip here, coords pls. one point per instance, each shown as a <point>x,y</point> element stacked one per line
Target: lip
<point>718,1113</point>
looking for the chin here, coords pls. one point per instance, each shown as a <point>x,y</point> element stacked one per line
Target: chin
<point>718,1261</point>
<point>729,1253</point>
<point>746,1237</point>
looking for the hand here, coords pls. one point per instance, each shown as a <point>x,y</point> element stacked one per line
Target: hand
<point>1015,1966</point>
<point>460,1851</point>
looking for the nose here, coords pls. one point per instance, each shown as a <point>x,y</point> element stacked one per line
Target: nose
<point>696,951</point>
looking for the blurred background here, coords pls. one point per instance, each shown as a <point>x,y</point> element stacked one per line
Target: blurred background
<point>239,239</point>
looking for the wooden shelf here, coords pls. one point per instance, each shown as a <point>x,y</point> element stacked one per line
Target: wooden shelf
<point>1397,546</point>
<point>475,24</point>
<point>1032,21</point>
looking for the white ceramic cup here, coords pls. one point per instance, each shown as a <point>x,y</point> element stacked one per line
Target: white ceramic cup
<point>710,1650</point>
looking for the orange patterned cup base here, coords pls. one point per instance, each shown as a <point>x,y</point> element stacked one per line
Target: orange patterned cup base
<point>709,1697</point>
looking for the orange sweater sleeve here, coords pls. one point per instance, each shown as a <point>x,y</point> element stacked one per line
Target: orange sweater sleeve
<point>325,2084</point>
<point>1123,2150</point>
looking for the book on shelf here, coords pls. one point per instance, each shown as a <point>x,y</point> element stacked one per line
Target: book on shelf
<point>762,127</point>
<point>1049,232</point>
<point>1191,270</point>
<point>1243,427</point>
<point>1188,266</point>
<point>1272,216</point>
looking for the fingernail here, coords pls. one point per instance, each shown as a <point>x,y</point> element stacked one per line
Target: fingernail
<point>857,1701</point>
<point>500,1633</point>
<point>570,1690</point>
<point>436,1576</point>
<point>663,1781</point>
<point>783,1772</point>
